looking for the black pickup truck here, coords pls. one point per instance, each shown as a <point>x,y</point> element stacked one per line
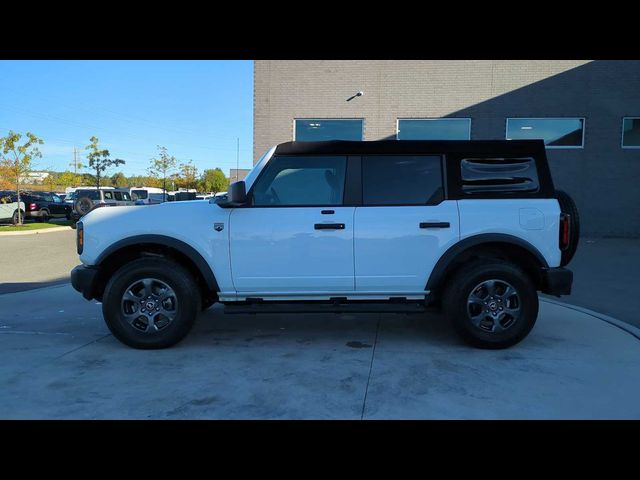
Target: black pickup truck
<point>44,205</point>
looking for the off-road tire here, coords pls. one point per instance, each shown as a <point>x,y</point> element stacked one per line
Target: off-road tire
<point>167,271</point>
<point>83,205</point>
<point>462,283</point>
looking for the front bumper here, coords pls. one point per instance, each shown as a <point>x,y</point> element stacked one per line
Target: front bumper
<point>83,279</point>
<point>557,281</point>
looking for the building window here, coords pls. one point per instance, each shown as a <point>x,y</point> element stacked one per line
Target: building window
<point>434,129</point>
<point>556,132</point>
<point>323,129</point>
<point>631,132</point>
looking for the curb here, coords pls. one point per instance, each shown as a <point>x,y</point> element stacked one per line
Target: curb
<point>35,232</point>
<point>635,331</point>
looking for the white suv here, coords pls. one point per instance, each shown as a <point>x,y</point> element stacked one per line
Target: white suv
<point>475,227</point>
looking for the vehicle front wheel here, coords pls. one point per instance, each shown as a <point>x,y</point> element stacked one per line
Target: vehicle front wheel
<point>491,304</point>
<point>150,303</point>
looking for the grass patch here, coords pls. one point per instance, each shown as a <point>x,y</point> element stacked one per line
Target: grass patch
<point>34,226</point>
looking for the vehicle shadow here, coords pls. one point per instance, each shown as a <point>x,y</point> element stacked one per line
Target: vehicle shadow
<point>14,287</point>
<point>360,330</point>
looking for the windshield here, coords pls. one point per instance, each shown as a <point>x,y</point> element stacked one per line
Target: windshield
<point>255,171</point>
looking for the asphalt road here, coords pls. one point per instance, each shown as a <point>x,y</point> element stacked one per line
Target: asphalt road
<point>34,261</point>
<point>605,270</point>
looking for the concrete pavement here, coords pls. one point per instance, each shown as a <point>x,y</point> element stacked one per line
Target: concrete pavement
<point>57,360</point>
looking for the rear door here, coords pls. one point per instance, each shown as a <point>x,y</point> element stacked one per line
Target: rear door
<point>404,224</point>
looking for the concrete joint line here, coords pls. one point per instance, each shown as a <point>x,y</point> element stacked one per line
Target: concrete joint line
<point>373,353</point>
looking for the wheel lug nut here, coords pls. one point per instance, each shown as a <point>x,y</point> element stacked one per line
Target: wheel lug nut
<point>143,309</point>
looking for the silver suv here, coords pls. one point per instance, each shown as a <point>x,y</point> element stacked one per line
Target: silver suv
<point>87,199</point>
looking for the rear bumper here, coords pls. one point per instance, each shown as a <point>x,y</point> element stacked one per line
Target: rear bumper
<point>83,279</point>
<point>557,281</point>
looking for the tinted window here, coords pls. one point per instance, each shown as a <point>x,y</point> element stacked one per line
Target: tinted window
<point>631,132</point>
<point>156,197</point>
<point>556,132</point>
<point>401,180</point>
<point>304,181</point>
<point>141,194</point>
<point>434,129</point>
<point>92,194</point>
<point>317,130</point>
<point>108,195</point>
<point>121,196</point>
<point>493,175</point>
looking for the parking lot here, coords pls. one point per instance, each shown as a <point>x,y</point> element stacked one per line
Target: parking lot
<point>60,361</point>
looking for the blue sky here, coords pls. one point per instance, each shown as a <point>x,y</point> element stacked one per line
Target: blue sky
<point>196,109</point>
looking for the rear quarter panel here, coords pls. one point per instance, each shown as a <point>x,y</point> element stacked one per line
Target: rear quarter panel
<point>535,220</point>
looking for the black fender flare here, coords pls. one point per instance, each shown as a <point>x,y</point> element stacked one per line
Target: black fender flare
<point>179,245</point>
<point>448,257</point>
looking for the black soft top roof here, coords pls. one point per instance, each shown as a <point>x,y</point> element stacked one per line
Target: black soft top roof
<point>408,147</point>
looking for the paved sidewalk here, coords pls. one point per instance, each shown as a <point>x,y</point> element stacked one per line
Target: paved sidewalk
<point>58,360</point>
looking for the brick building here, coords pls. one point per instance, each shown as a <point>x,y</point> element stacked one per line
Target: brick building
<point>588,113</point>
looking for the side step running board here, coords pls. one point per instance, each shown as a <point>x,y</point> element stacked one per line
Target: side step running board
<point>353,307</point>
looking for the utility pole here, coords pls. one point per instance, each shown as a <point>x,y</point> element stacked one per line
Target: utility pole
<point>237,158</point>
<point>75,165</point>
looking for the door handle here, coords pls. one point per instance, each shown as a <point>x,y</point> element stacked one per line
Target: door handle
<point>434,225</point>
<point>329,226</point>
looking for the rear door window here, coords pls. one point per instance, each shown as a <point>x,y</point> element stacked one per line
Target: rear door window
<point>401,180</point>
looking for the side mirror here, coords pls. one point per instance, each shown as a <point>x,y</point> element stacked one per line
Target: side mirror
<point>235,197</point>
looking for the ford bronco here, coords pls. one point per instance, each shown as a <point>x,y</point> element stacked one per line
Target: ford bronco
<point>475,228</point>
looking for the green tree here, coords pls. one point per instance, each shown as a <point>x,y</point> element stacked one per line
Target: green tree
<point>161,167</point>
<point>17,158</point>
<point>143,181</point>
<point>119,180</point>
<point>213,180</point>
<point>52,180</point>
<point>99,159</point>
<point>67,179</point>
<point>188,175</point>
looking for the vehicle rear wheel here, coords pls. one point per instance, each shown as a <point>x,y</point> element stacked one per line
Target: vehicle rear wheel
<point>149,303</point>
<point>492,304</point>
<point>567,205</point>
<point>44,216</point>
<point>15,219</point>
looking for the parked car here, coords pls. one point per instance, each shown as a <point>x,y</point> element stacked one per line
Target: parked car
<point>87,199</point>
<point>9,208</point>
<point>475,228</point>
<point>42,206</point>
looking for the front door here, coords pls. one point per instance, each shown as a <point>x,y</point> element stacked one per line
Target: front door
<point>404,224</point>
<point>295,235</point>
